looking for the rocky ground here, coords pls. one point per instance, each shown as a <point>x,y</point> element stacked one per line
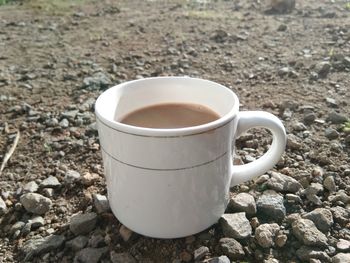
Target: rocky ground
<point>294,62</point>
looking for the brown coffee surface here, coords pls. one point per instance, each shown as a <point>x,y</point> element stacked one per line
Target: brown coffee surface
<point>170,116</point>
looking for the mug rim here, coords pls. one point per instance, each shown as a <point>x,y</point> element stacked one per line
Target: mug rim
<point>173,132</point>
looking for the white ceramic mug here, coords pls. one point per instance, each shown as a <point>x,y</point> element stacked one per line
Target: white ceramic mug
<point>170,183</point>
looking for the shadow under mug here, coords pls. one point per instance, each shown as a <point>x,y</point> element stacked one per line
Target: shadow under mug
<point>170,183</point>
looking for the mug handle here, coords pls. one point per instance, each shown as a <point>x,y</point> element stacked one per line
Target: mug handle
<point>262,119</point>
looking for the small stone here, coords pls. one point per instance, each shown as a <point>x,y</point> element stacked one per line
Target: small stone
<point>236,225</point>
<point>77,243</point>
<point>90,255</point>
<point>83,223</point>
<point>271,205</point>
<point>322,69</point>
<point>26,229</point>
<point>265,234</point>
<point>283,183</point>
<point>64,123</point>
<point>71,114</point>
<point>281,240</point>
<point>89,178</point>
<point>37,221</point>
<point>341,258</point>
<point>3,207</point>
<point>331,133</point>
<point>221,259</point>
<point>50,182</point>
<point>306,232</point>
<point>125,233</point>
<point>231,248</point>
<point>243,202</point>
<point>294,198</point>
<point>337,118</point>
<point>343,245</point>
<point>35,203</point>
<point>185,256</point>
<point>30,187</point>
<point>299,126</point>
<point>122,257</point>
<point>329,184</point>
<point>331,102</point>
<point>97,82</point>
<point>339,196</point>
<point>311,193</point>
<point>284,71</point>
<point>39,245</point>
<point>306,253</point>
<point>293,142</point>
<point>322,218</point>
<point>96,240</point>
<point>16,226</point>
<point>262,179</point>
<point>340,215</point>
<point>48,192</point>
<point>71,176</point>
<point>101,203</point>
<point>282,27</point>
<point>200,253</point>
<point>309,118</point>
<point>280,7</point>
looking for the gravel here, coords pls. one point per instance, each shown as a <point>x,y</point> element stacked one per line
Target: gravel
<point>322,218</point>
<point>306,253</point>
<point>271,205</point>
<point>243,202</point>
<point>36,203</point>
<point>236,225</point>
<point>200,253</point>
<point>101,203</point>
<point>71,176</point>
<point>231,248</point>
<point>50,182</point>
<point>329,184</point>
<point>265,234</point>
<point>283,183</point>
<point>307,233</point>
<point>30,187</point>
<point>83,223</point>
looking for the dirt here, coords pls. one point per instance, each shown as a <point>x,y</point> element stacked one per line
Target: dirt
<point>272,61</point>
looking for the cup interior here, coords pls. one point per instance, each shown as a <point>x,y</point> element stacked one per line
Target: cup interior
<point>127,97</point>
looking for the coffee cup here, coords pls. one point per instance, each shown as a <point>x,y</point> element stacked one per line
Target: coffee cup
<point>171,183</point>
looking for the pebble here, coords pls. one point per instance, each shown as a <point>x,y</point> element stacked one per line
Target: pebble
<point>282,27</point>
<point>329,184</point>
<point>322,218</point>
<point>331,102</point>
<point>125,233</point>
<point>309,118</point>
<point>16,226</point>
<point>71,114</point>
<point>306,253</point>
<point>50,182</point>
<point>97,82</point>
<point>122,257</point>
<point>3,207</point>
<point>281,240</point>
<point>96,240</point>
<point>77,243</point>
<point>322,69</point>
<point>283,183</point>
<point>83,223</point>
<point>71,176</point>
<point>101,203</point>
<point>36,203</point>
<point>64,123</point>
<point>299,126</point>
<point>185,256</point>
<point>281,7</point>
<point>340,215</point>
<point>37,221</point>
<point>339,196</point>
<point>243,202</point>
<point>311,193</point>
<point>337,118</point>
<point>39,245</point>
<point>236,225</point>
<point>30,187</point>
<point>231,248</point>
<point>89,178</point>
<point>90,255</point>
<point>200,253</point>
<point>265,234</point>
<point>331,133</point>
<point>270,204</point>
<point>26,229</point>
<point>307,233</point>
<point>343,245</point>
<point>221,259</point>
<point>293,142</point>
<point>48,192</point>
<point>341,258</point>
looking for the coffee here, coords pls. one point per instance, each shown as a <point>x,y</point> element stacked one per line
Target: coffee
<point>170,116</point>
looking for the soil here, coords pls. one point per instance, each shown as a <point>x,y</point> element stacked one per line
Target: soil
<point>274,62</point>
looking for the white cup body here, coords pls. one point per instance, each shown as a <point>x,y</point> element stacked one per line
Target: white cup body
<point>167,183</point>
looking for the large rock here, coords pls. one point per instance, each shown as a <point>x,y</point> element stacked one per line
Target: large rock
<point>90,255</point>
<point>271,205</point>
<point>243,202</point>
<point>236,225</point>
<point>265,234</point>
<point>83,223</point>
<point>36,203</point>
<point>283,183</point>
<point>306,253</point>
<point>341,258</point>
<point>306,231</point>
<point>231,248</point>
<point>37,246</point>
<point>322,218</point>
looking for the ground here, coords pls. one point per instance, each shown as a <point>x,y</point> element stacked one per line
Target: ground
<point>295,65</point>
